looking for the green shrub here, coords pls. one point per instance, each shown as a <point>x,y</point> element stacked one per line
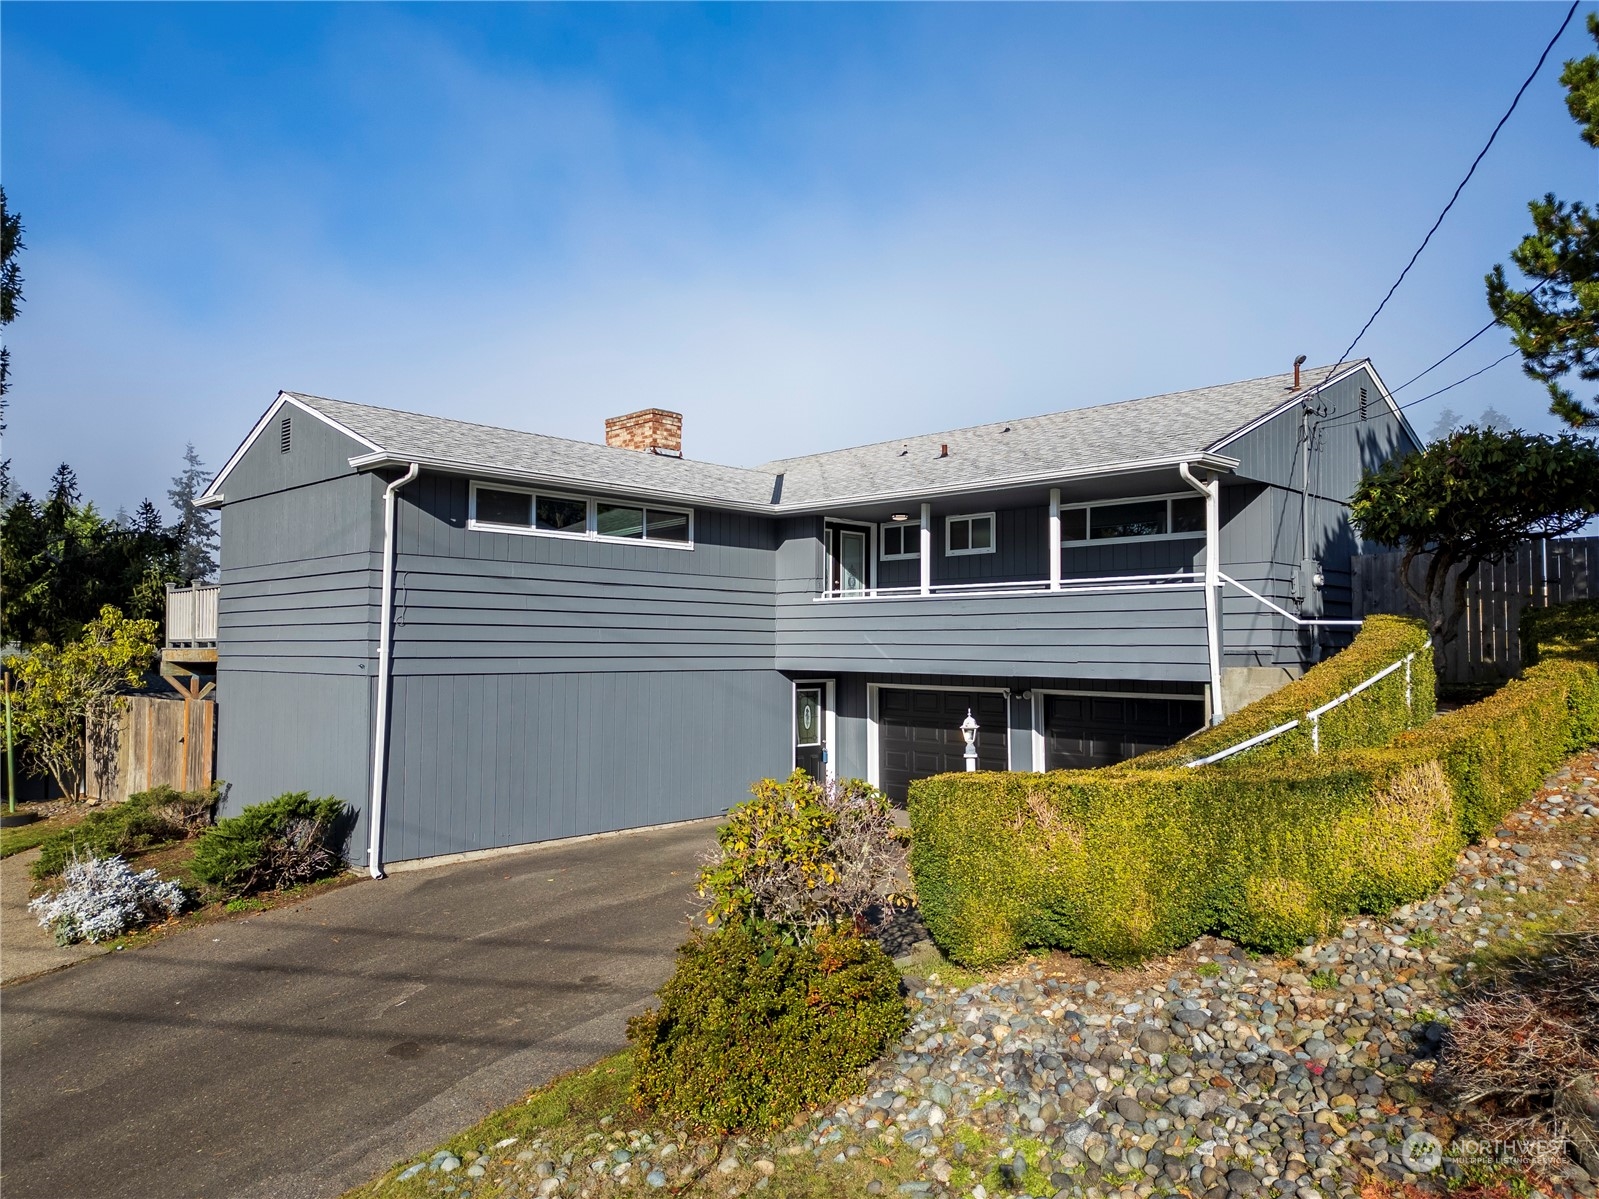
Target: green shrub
<point>149,818</point>
<point>1123,865</point>
<point>270,847</point>
<point>1371,718</point>
<point>751,1029</point>
<point>1120,864</point>
<point>1564,631</point>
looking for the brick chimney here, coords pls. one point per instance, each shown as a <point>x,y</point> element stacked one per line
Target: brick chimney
<point>650,430</point>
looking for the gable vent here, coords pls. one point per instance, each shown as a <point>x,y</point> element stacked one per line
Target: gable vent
<point>1362,403</point>
<point>284,434</point>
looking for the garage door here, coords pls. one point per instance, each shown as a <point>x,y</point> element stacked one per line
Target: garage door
<point>919,734</point>
<point>1097,730</point>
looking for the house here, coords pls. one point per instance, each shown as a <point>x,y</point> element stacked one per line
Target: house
<point>491,637</point>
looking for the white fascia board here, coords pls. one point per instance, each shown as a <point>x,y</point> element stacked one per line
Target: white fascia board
<point>211,497</point>
<point>1204,459</point>
<point>1395,408</point>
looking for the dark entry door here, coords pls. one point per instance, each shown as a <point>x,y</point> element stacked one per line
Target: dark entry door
<point>919,734</point>
<point>1081,731</point>
<point>810,729</point>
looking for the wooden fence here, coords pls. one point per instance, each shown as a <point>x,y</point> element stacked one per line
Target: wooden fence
<point>1488,649</point>
<point>155,741</point>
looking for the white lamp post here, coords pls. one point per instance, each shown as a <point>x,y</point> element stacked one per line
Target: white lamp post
<point>969,731</point>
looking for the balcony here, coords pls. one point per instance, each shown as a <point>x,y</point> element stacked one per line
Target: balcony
<point>192,616</point>
<point>1117,626</point>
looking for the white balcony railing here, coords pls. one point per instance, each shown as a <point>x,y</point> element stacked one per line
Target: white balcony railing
<point>192,615</point>
<point>1181,579</point>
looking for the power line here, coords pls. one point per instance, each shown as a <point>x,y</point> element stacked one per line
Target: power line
<point>1348,416</point>
<point>1521,91</point>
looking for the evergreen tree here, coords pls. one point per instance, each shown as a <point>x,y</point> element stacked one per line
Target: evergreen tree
<point>1554,321</point>
<point>1494,419</point>
<point>197,530</point>
<point>1447,420</point>
<point>10,297</point>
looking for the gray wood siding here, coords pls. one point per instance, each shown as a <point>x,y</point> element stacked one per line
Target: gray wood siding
<point>279,732</point>
<point>1143,635</point>
<point>507,603</point>
<point>488,760</point>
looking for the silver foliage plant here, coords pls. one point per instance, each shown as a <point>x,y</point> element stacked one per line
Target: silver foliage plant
<point>103,898</point>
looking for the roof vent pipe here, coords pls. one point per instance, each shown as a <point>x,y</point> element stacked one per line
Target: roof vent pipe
<point>1298,362</point>
<point>943,450</point>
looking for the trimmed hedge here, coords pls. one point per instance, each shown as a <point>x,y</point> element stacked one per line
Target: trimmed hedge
<point>1122,864</point>
<point>1369,719</point>
<point>1564,631</point>
<point>1119,866</point>
<point>751,1029</point>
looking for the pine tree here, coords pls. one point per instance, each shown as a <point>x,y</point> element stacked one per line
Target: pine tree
<point>197,540</point>
<point>1447,420</point>
<point>1554,321</point>
<point>1494,419</point>
<point>10,297</point>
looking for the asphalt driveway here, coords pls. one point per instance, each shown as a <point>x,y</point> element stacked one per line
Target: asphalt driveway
<point>296,1053</point>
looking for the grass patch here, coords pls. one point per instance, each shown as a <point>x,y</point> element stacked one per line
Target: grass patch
<point>929,965</point>
<point>26,836</point>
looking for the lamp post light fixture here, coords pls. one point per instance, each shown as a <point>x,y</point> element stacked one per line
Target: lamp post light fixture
<point>969,732</point>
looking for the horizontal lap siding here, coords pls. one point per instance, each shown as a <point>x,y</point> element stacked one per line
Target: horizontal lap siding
<point>1122,634</point>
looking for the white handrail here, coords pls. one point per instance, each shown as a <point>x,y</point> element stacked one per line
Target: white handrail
<point>1176,578</point>
<point>1299,620</point>
<point>1313,717</point>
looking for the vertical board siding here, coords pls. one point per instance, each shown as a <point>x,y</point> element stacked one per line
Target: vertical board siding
<point>1488,648</point>
<point>295,732</point>
<point>484,761</point>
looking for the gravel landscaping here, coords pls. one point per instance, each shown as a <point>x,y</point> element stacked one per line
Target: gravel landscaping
<point>1211,1073</point>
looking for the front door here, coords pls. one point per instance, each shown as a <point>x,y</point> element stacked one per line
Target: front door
<point>810,729</point>
<point>847,560</point>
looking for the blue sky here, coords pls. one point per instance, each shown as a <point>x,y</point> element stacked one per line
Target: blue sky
<point>803,226</point>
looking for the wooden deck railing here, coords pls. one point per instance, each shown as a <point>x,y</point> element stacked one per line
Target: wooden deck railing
<point>192,614</point>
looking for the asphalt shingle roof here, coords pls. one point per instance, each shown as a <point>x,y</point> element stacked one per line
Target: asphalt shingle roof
<point>1059,443</point>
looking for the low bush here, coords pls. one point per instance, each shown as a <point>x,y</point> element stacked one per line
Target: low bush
<point>272,846</point>
<point>103,898</point>
<point>803,854</point>
<point>149,818</point>
<point>1369,719</point>
<point>751,1028</point>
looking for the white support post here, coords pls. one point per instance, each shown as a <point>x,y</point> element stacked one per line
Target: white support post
<point>1054,538</point>
<point>926,558</point>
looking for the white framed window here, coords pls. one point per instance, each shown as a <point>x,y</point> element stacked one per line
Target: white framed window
<point>899,539</point>
<point>502,508</point>
<point>1146,518</point>
<point>969,534</point>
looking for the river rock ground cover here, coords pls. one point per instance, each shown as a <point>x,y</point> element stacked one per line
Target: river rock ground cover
<point>1211,1073</point>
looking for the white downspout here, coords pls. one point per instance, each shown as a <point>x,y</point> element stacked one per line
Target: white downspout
<point>380,733</point>
<point>1212,493</point>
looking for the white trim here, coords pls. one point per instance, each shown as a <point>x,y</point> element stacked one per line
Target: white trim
<point>591,530</point>
<point>1039,748</point>
<point>1088,524</point>
<point>993,533</point>
<point>871,552</point>
<point>485,470</point>
<point>212,495</point>
<point>874,754</point>
<point>904,526</point>
<point>1185,580</point>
